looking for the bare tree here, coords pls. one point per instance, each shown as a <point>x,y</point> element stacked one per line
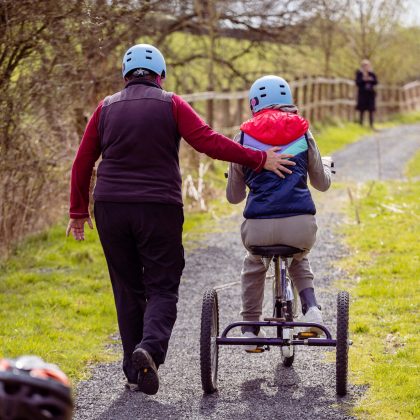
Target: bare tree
<point>372,23</point>
<point>328,29</point>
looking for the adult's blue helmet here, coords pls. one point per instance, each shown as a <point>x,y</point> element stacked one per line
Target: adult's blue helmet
<point>269,90</point>
<point>144,56</point>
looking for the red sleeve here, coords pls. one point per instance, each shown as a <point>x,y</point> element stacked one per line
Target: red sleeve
<point>200,136</point>
<point>81,173</point>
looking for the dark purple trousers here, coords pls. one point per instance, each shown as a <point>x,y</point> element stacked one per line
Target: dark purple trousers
<point>142,243</point>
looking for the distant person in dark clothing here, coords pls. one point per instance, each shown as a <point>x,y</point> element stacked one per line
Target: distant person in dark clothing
<point>366,81</point>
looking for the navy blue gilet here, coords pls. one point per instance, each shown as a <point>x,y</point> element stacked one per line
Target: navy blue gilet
<point>272,197</point>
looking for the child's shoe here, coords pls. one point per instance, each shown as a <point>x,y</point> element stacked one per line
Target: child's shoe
<point>313,315</point>
<point>253,332</point>
<point>311,310</point>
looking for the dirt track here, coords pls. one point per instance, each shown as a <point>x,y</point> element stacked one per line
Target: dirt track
<point>250,386</point>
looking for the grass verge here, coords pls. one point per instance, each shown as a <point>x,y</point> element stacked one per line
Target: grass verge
<point>56,301</point>
<point>413,167</point>
<point>333,137</point>
<point>384,263</point>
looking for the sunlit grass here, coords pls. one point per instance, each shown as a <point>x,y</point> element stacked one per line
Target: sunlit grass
<point>56,301</point>
<point>413,167</point>
<point>384,267</point>
<point>337,135</point>
<point>334,137</point>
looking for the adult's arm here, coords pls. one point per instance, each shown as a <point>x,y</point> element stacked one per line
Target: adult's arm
<point>203,139</point>
<point>319,174</point>
<point>81,173</point>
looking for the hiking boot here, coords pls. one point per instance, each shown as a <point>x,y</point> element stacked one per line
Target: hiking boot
<point>148,379</point>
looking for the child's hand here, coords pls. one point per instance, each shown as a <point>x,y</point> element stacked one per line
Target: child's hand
<point>277,162</point>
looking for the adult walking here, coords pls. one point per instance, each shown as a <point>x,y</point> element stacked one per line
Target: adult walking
<point>366,80</point>
<point>138,202</point>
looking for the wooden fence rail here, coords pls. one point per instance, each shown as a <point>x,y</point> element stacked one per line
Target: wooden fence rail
<point>319,99</point>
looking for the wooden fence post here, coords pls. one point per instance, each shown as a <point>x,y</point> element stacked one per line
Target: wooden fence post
<point>210,112</point>
<point>332,98</point>
<point>304,109</point>
<point>295,92</point>
<point>379,104</point>
<point>401,100</point>
<point>311,99</point>
<point>353,98</point>
<point>316,96</point>
<point>225,106</point>
<point>239,111</point>
<point>322,99</point>
<point>342,106</point>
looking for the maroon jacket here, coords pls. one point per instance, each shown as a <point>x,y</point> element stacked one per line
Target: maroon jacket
<point>137,131</point>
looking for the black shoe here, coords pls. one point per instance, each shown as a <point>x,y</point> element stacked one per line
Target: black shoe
<point>148,379</point>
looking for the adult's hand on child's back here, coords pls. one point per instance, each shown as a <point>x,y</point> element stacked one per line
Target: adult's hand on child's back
<point>278,162</point>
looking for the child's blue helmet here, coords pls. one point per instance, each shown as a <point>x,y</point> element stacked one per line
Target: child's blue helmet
<point>144,56</point>
<point>269,90</point>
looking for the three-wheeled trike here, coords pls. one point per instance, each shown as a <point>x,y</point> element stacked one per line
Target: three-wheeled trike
<point>289,332</point>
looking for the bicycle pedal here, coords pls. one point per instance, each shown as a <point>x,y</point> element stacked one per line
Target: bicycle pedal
<point>257,350</point>
<point>307,334</point>
<point>275,319</point>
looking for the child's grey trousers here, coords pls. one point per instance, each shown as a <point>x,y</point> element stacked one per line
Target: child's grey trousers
<point>296,231</point>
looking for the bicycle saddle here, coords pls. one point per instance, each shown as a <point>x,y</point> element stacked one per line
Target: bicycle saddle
<point>275,251</point>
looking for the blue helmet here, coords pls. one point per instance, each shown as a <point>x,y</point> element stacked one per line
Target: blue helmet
<point>144,56</point>
<point>269,90</point>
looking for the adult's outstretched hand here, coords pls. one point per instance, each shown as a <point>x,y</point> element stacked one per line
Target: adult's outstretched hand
<point>77,228</point>
<point>278,162</point>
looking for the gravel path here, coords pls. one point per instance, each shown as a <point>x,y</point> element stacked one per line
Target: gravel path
<point>250,385</point>
<point>380,156</point>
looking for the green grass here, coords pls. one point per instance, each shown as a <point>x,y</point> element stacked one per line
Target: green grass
<point>384,263</point>
<point>56,301</point>
<point>334,137</point>
<point>337,135</point>
<point>408,118</point>
<point>413,167</point>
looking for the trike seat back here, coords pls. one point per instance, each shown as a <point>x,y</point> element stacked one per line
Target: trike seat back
<point>284,251</point>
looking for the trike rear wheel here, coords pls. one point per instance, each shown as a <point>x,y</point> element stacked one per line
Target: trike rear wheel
<point>342,349</point>
<point>209,353</point>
